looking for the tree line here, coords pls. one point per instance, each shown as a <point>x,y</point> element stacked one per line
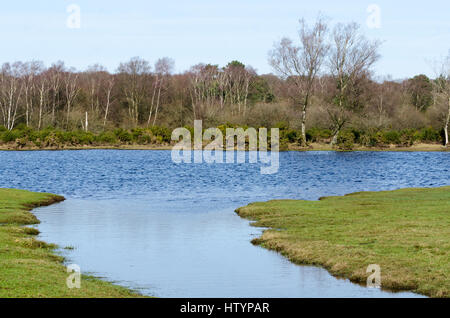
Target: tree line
<point>322,80</point>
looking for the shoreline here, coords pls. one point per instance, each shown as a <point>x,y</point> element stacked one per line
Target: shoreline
<point>309,233</point>
<point>30,268</point>
<point>16,207</point>
<point>420,147</point>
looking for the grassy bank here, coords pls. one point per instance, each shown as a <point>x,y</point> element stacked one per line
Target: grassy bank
<point>420,147</point>
<point>29,267</point>
<point>406,232</point>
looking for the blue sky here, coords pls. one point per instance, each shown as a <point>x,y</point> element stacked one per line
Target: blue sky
<point>414,32</point>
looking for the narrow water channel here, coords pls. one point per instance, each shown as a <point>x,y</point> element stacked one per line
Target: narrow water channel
<point>168,230</point>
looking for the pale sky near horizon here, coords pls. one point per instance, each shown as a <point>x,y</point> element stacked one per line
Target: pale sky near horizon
<point>414,33</point>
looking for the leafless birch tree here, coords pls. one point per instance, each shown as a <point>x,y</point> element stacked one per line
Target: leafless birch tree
<point>133,74</point>
<point>442,90</point>
<point>108,87</point>
<point>352,56</point>
<point>301,64</point>
<point>71,91</point>
<point>55,74</point>
<point>163,69</point>
<point>11,86</point>
<point>42,88</point>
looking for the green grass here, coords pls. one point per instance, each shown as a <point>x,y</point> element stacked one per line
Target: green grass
<point>406,232</point>
<point>29,267</point>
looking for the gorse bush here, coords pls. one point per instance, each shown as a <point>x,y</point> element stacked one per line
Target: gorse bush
<point>54,138</point>
<point>346,141</point>
<point>318,135</point>
<point>392,137</point>
<point>123,135</point>
<point>8,136</point>
<point>382,138</point>
<point>50,137</point>
<point>291,135</point>
<point>107,137</point>
<point>162,133</point>
<point>429,135</point>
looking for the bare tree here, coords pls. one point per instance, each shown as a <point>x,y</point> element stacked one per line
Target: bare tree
<point>249,76</point>
<point>133,74</point>
<point>301,64</point>
<point>42,83</point>
<point>163,69</point>
<point>11,87</point>
<point>351,58</point>
<point>108,87</point>
<point>383,100</point>
<point>98,84</point>
<point>237,78</point>
<point>55,74</point>
<point>94,77</point>
<point>222,84</point>
<point>71,90</point>
<point>28,72</point>
<point>202,91</point>
<point>442,90</point>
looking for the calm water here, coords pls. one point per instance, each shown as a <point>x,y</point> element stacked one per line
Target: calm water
<point>170,230</point>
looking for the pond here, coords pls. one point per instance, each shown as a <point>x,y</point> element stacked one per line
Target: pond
<point>169,230</point>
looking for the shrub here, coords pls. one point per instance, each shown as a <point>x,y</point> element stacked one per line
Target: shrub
<point>67,137</point>
<point>123,135</point>
<point>53,139</point>
<point>22,130</point>
<point>162,132</point>
<point>283,146</point>
<point>21,142</point>
<point>365,140</point>
<point>392,137</point>
<point>44,133</point>
<point>317,135</point>
<point>282,125</point>
<point>145,138</point>
<point>8,136</point>
<point>346,141</point>
<point>407,137</point>
<point>357,134</point>
<point>136,133</point>
<point>107,137</point>
<point>33,136</point>
<point>430,135</point>
<point>290,135</point>
<point>83,138</point>
<point>373,139</point>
